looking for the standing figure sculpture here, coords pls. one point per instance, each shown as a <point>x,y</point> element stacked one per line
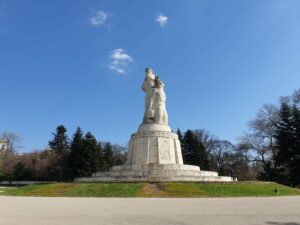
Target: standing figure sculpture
<point>147,87</point>
<point>155,99</point>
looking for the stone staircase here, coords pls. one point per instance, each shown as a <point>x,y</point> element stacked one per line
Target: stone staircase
<point>155,173</point>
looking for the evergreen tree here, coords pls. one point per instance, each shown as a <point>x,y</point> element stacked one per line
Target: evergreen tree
<point>108,156</point>
<point>101,157</point>
<point>76,158</point>
<point>201,154</point>
<point>188,147</point>
<point>95,151</point>
<point>21,172</point>
<point>193,151</point>
<point>179,135</point>
<point>285,136</point>
<point>60,146</point>
<point>295,159</point>
<point>90,155</point>
<point>180,138</point>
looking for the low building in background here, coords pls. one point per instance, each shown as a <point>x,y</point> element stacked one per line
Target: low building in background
<point>3,144</point>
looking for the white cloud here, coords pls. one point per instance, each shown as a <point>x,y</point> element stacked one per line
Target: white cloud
<point>119,60</point>
<point>100,18</point>
<point>162,20</point>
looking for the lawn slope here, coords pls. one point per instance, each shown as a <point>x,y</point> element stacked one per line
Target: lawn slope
<point>176,189</point>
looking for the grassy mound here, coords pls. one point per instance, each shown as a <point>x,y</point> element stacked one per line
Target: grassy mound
<point>176,189</point>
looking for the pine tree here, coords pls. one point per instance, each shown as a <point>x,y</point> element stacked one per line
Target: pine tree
<point>95,151</point>
<point>180,138</point>
<point>295,159</point>
<point>101,157</point>
<point>188,147</point>
<point>108,156</point>
<point>201,155</point>
<point>60,146</point>
<point>90,155</point>
<point>179,135</point>
<point>285,136</point>
<point>21,172</point>
<point>77,148</point>
<point>193,151</point>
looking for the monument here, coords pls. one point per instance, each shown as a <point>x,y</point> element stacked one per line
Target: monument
<point>154,152</point>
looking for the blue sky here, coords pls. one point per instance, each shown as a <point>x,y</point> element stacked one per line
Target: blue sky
<point>81,63</point>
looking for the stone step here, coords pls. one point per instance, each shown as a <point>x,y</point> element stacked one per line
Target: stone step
<point>157,173</point>
<point>155,179</point>
<point>156,167</point>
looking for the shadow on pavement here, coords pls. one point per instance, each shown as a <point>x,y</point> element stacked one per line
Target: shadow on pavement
<point>282,223</point>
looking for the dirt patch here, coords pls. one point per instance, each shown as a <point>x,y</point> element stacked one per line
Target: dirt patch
<point>152,190</point>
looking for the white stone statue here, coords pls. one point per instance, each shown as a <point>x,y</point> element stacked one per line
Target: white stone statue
<point>147,87</point>
<point>159,103</point>
<point>155,99</point>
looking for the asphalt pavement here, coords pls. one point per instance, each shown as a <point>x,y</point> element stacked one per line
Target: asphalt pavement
<point>154,211</point>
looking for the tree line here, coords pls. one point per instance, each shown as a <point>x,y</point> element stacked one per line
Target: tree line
<point>64,160</point>
<point>272,141</point>
<point>202,149</point>
<point>83,155</point>
<point>269,150</point>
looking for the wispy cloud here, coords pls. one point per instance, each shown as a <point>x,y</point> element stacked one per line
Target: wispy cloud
<point>162,20</point>
<point>100,18</point>
<point>119,60</point>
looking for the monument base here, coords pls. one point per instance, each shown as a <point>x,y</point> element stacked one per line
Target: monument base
<point>154,155</point>
<point>155,173</point>
<point>154,143</point>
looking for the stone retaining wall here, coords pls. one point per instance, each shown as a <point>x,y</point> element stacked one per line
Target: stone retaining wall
<point>25,182</point>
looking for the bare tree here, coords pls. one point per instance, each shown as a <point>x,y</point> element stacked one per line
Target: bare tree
<point>13,142</point>
<point>7,164</point>
<point>119,154</point>
<point>8,157</point>
<point>296,97</point>
<point>220,152</point>
<point>206,138</point>
<point>258,145</point>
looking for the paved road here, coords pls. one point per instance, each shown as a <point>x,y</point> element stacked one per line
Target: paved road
<point>121,211</point>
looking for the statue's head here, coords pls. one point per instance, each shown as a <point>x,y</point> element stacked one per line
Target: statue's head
<point>158,82</point>
<point>148,70</point>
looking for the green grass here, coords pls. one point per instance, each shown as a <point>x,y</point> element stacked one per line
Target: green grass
<point>176,189</point>
<point>238,189</point>
<point>77,190</point>
<point>105,190</point>
<point>5,188</point>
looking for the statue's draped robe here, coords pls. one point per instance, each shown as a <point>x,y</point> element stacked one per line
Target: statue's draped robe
<point>155,100</point>
<point>147,87</point>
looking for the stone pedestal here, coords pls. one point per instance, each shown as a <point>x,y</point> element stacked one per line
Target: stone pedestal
<point>154,143</point>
